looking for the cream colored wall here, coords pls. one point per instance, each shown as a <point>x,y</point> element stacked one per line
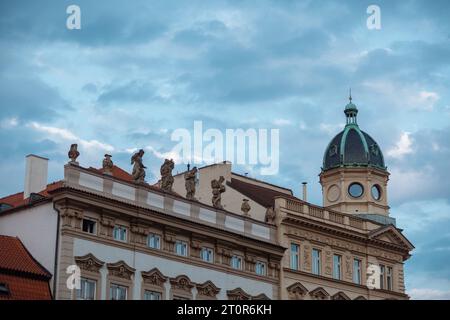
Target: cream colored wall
<point>336,184</point>
<point>231,199</point>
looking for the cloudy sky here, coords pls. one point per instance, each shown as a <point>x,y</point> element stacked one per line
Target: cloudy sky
<point>137,70</point>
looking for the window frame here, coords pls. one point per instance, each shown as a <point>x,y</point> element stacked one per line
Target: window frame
<point>316,261</point>
<point>295,255</point>
<point>117,285</point>
<point>183,244</point>
<point>236,257</point>
<point>358,271</point>
<point>120,227</point>
<point>94,232</point>
<point>146,291</point>
<point>85,280</point>
<point>339,264</point>
<point>211,254</point>
<point>264,268</point>
<point>152,235</point>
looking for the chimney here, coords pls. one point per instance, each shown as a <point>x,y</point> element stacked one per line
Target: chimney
<point>36,169</point>
<point>304,191</point>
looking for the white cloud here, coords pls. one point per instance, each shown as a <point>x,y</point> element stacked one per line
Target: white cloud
<point>427,99</point>
<point>282,122</point>
<point>66,135</point>
<point>429,294</point>
<point>403,147</point>
<point>9,123</point>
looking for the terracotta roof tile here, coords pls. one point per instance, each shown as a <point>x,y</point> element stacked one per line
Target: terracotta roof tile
<point>23,288</point>
<point>16,200</point>
<point>14,257</point>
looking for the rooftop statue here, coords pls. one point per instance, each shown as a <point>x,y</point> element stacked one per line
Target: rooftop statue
<point>217,189</point>
<point>189,183</point>
<point>73,154</point>
<point>107,164</point>
<point>245,207</point>
<point>166,175</point>
<point>138,173</point>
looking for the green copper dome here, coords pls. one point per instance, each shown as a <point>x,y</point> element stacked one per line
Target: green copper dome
<point>352,147</point>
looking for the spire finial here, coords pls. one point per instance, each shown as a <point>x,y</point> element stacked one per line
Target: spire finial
<point>350,95</point>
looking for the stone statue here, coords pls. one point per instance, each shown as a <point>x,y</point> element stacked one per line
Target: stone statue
<point>166,175</point>
<point>107,164</point>
<point>138,173</point>
<point>189,183</point>
<point>270,215</point>
<point>217,189</point>
<point>245,207</point>
<point>73,154</point>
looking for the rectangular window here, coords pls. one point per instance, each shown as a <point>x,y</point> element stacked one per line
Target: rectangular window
<point>260,268</point>
<point>316,261</point>
<point>154,241</point>
<point>357,271</point>
<point>117,292</point>
<point>181,248</point>
<point>382,274</point>
<point>389,278</point>
<point>89,226</point>
<point>120,233</point>
<point>207,254</point>
<point>295,256</point>
<point>236,262</point>
<point>337,266</point>
<point>87,289</point>
<point>152,295</point>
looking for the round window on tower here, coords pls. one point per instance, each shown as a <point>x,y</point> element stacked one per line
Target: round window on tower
<point>356,190</point>
<point>376,192</point>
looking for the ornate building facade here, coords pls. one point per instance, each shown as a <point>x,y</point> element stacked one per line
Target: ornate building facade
<point>210,233</point>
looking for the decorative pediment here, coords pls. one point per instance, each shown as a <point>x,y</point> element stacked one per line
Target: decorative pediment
<point>260,296</point>
<point>182,283</point>
<point>238,294</point>
<point>120,269</point>
<point>89,263</point>
<point>296,291</point>
<point>360,298</point>
<point>340,296</point>
<point>319,294</point>
<point>392,235</point>
<point>154,277</point>
<point>207,289</point>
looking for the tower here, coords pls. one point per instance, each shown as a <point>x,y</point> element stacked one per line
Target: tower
<point>354,177</point>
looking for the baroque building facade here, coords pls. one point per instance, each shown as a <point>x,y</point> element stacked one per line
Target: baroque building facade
<point>210,233</point>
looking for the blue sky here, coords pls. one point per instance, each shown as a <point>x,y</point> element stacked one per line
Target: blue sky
<point>137,70</point>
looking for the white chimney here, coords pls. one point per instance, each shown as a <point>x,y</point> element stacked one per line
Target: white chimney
<point>36,170</point>
<point>304,191</point>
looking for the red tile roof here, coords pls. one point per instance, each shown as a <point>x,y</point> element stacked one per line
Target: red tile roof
<point>15,257</point>
<point>21,288</point>
<point>117,172</point>
<point>262,195</point>
<point>24,277</point>
<point>16,200</point>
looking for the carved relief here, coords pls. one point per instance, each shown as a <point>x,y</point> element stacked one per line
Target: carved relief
<point>238,294</point>
<point>196,247</point>
<point>348,267</point>
<point>270,216</point>
<point>225,255</point>
<point>182,283</point>
<point>340,296</point>
<point>274,269</point>
<point>72,217</point>
<point>89,263</point>
<point>207,289</point>
<point>245,207</point>
<point>307,257</point>
<point>107,225</point>
<point>328,262</point>
<point>139,234</point>
<point>261,296</point>
<point>154,277</point>
<point>296,291</point>
<point>169,240</point>
<point>319,294</point>
<point>120,269</point>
